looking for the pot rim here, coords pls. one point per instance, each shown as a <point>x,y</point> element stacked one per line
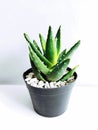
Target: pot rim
<point>30,70</point>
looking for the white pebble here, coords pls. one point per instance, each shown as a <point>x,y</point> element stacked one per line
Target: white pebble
<point>30,79</point>
<point>58,84</point>
<point>27,79</point>
<point>27,76</point>
<point>62,83</point>
<point>31,73</point>
<point>52,85</point>
<point>47,85</point>
<point>28,82</point>
<point>71,79</point>
<point>34,85</point>
<point>41,84</point>
<point>34,80</point>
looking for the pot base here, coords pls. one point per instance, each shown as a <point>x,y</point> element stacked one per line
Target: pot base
<point>48,115</point>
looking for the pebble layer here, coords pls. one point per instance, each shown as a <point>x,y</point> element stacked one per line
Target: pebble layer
<point>34,82</point>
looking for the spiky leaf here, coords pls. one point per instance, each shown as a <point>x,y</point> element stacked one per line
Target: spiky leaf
<point>62,56</point>
<point>69,73</point>
<point>58,40</point>
<point>38,63</point>
<point>58,71</point>
<point>35,70</point>
<point>68,54</point>
<point>72,49</point>
<point>34,47</point>
<point>31,43</point>
<point>43,43</point>
<point>51,52</point>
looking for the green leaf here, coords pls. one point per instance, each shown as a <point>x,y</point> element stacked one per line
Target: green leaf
<point>31,43</point>
<point>65,55</point>
<point>43,43</point>
<point>62,56</point>
<point>51,51</point>
<point>38,63</point>
<point>72,49</point>
<point>34,47</point>
<point>58,71</point>
<point>69,73</point>
<point>35,70</point>
<point>58,42</point>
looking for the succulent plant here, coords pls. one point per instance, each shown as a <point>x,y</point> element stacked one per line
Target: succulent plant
<point>49,63</point>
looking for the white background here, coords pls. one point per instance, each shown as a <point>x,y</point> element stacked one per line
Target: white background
<point>78,18</point>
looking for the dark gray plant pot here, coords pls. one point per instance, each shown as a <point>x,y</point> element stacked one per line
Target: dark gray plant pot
<point>50,102</point>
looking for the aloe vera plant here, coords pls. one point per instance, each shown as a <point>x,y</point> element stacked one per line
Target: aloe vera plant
<point>49,63</point>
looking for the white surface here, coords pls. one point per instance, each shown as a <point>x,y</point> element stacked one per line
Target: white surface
<point>16,112</point>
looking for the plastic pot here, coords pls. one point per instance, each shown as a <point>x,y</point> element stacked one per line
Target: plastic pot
<point>50,102</point>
